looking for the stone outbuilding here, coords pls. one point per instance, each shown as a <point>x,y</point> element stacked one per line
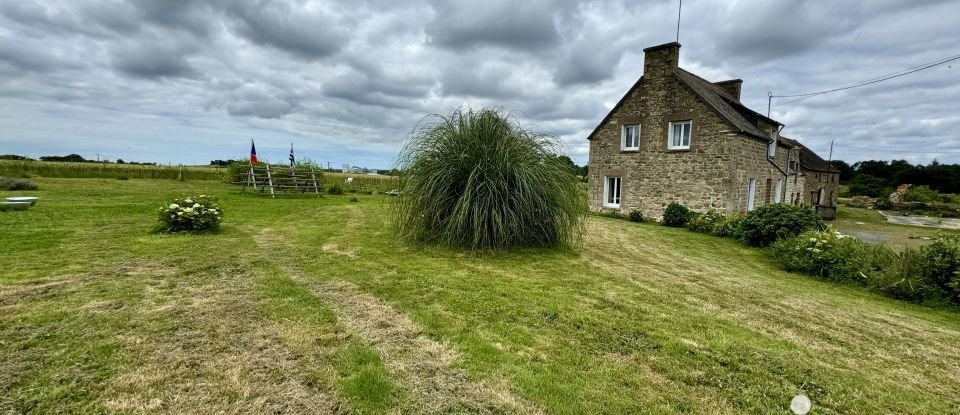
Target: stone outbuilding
<point>676,137</point>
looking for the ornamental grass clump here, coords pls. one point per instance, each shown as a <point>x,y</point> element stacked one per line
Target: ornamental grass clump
<point>479,180</point>
<point>194,214</point>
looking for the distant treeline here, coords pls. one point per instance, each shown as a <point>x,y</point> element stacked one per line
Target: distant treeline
<point>879,178</point>
<point>65,169</point>
<point>70,158</point>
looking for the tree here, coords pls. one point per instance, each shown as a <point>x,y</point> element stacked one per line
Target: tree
<point>867,185</point>
<point>846,172</point>
<point>13,157</point>
<point>75,158</point>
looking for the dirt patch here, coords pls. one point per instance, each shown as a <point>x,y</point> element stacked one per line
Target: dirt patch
<point>332,248</point>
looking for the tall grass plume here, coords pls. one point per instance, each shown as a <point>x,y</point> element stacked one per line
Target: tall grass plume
<point>480,180</point>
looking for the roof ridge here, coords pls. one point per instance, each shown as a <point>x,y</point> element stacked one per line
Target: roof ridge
<point>712,84</point>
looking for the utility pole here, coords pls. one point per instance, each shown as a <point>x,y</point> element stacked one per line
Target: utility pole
<point>679,8</point>
<point>769,102</point>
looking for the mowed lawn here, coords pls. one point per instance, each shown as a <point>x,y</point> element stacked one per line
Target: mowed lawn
<point>306,305</point>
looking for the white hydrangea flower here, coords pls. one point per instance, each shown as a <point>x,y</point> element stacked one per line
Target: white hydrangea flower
<point>196,205</point>
<point>188,201</point>
<point>174,206</point>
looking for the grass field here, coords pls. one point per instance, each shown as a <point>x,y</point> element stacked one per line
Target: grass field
<point>310,306</point>
<point>870,223</point>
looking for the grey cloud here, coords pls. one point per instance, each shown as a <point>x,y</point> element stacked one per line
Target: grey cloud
<point>307,34</point>
<point>261,101</point>
<point>260,108</point>
<point>778,28</point>
<point>481,80</point>
<point>378,88</point>
<point>153,61</point>
<point>26,56</point>
<point>525,25</point>
<point>588,63</point>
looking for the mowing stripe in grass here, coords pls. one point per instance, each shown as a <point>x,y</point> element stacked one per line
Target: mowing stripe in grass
<point>428,369</point>
<point>305,322</point>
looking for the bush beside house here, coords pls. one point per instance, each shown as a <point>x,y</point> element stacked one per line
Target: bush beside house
<point>798,240</point>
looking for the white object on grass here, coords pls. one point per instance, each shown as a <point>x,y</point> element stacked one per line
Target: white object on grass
<point>800,404</point>
<point>29,199</point>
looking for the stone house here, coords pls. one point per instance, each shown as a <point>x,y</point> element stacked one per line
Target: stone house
<point>676,137</point>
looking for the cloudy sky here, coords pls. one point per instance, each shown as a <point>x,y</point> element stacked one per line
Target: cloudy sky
<point>188,81</point>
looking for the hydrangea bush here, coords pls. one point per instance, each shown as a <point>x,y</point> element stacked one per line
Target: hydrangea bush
<point>192,214</point>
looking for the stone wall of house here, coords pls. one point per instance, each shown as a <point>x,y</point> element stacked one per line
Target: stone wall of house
<point>713,174</point>
<point>814,182</point>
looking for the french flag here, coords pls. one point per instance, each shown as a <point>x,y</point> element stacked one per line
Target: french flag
<point>253,153</point>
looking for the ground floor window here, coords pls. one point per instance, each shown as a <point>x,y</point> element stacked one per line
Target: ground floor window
<point>611,191</point>
<point>751,193</point>
<point>777,197</point>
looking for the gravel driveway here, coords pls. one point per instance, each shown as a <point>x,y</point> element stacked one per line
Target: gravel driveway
<point>930,222</point>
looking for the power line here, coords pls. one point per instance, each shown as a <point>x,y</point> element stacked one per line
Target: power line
<point>894,150</point>
<point>881,78</point>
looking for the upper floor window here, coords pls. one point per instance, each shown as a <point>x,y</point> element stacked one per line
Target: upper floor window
<point>679,135</point>
<point>772,149</point>
<point>630,137</point>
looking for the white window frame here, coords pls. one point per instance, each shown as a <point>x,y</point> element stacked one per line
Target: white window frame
<point>751,194</point>
<point>623,138</point>
<point>680,146</point>
<point>606,191</point>
<point>772,149</point>
<point>777,198</point>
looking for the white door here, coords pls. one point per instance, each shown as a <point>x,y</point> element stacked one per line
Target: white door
<point>751,193</point>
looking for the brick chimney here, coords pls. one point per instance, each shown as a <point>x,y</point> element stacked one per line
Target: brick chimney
<point>732,87</point>
<point>661,60</point>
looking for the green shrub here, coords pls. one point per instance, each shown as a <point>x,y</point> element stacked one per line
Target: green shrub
<point>822,253</point>
<point>941,264</point>
<point>354,199</point>
<point>16,184</point>
<point>903,278</point>
<point>335,189</point>
<point>730,226</point>
<point>192,214</point>
<point>636,216</point>
<point>480,180</point>
<point>768,223</point>
<point>883,204</point>
<point>921,194</point>
<point>836,257</point>
<point>676,215</point>
<point>706,222</point>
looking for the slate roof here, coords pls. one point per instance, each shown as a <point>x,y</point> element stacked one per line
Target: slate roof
<point>727,106</point>
<point>808,159</point>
